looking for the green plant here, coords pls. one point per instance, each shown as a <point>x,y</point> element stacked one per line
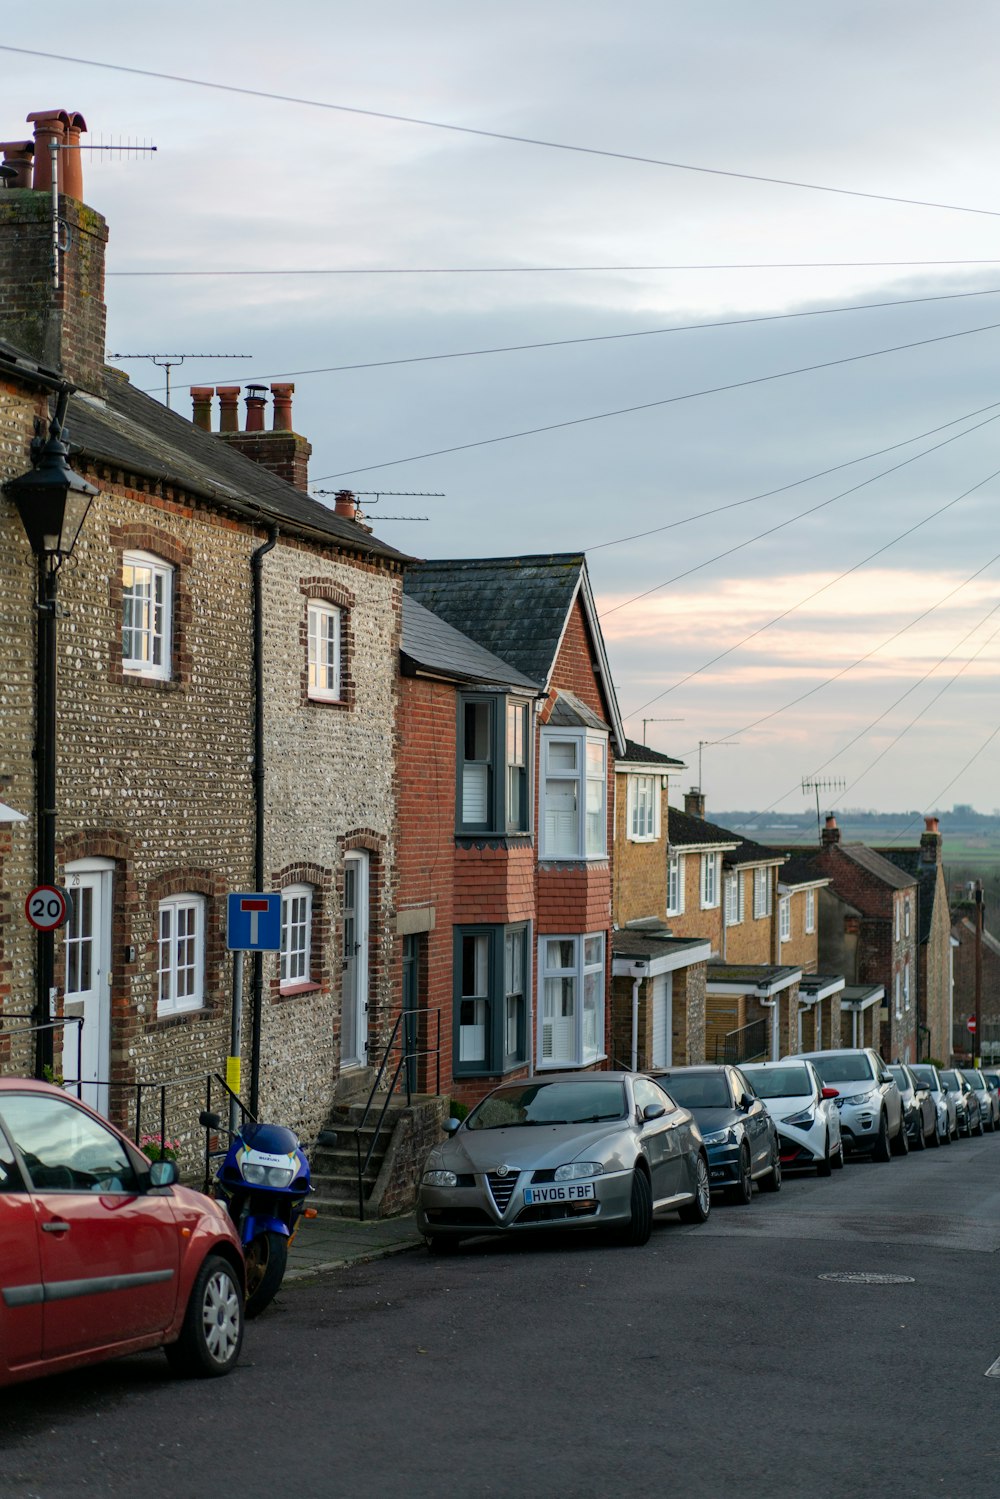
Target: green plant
<point>159,1148</point>
<point>458,1110</point>
<point>51,1076</point>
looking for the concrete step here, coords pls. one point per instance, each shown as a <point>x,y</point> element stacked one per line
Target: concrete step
<point>355,1115</point>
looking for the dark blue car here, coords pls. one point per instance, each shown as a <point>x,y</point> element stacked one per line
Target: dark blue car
<point>738,1132</point>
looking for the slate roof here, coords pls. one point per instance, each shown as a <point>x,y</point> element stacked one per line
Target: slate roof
<point>694,832</point>
<point>876,864</point>
<point>570,712</point>
<point>514,606</point>
<point>433,645</point>
<point>641,754</point>
<point>799,871</point>
<point>132,431</point>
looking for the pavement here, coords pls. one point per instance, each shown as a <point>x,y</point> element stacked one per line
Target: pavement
<point>329,1242</point>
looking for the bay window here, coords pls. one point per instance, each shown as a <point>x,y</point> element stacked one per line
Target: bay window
<point>494,765</point>
<point>574,794</point>
<point>491,999</point>
<point>571,1012</point>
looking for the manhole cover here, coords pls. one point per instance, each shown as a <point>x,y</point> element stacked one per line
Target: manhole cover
<point>867,1278</point>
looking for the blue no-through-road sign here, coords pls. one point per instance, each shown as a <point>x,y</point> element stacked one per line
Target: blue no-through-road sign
<point>253,921</point>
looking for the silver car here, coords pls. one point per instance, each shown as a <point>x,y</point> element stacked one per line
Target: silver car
<point>988,1106</point>
<point>944,1101</point>
<point>871,1110</point>
<point>565,1151</point>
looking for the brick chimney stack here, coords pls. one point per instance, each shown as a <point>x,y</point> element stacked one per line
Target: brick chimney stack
<point>694,802</point>
<point>831,832</point>
<point>931,842</point>
<point>62,327</point>
<point>280,450</point>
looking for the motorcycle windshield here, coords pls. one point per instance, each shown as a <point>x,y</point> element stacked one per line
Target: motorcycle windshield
<point>273,1138</point>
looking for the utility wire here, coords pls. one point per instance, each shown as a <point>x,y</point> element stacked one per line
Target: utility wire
<point>603,338</point>
<point>768,493</point>
<point>497,135</point>
<point>936,800</point>
<point>918,525</point>
<point>690,395</point>
<point>550,270</point>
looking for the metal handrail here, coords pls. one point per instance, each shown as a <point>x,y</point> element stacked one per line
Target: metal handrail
<point>401,1065</point>
<point>50,1025</point>
<point>741,1045</point>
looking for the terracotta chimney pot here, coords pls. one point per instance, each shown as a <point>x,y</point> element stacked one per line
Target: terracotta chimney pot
<point>201,398</point>
<point>694,802</point>
<point>282,419</point>
<point>50,125</point>
<point>71,160</point>
<point>345,504</point>
<point>831,832</point>
<point>229,413</point>
<point>18,154</point>
<point>931,824</point>
<point>255,407</point>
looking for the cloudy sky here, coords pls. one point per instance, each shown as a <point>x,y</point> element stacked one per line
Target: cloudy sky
<point>803,565</point>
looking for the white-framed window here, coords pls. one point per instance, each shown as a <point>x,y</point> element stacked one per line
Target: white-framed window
<point>785,918</point>
<point>761,893</point>
<point>571,1013</point>
<point>709,881</point>
<point>574,794</point>
<point>181,971</point>
<point>906,916</point>
<point>643,808</point>
<point>296,935</point>
<point>323,651</point>
<point>147,615</point>
<point>810,911</point>
<point>899,1007</point>
<point>733,887</point>
<point>906,986</point>
<point>675,884</point>
<point>896,906</point>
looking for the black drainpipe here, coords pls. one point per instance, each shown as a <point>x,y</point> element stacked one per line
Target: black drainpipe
<point>257,993</point>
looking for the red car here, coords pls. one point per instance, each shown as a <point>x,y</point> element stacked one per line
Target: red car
<point>101,1252</point>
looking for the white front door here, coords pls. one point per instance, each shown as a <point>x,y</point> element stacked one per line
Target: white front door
<point>354,933</point>
<point>88,980</point>
<point>663,991</point>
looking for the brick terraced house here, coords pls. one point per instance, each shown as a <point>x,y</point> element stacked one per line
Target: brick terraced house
<point>227,682</point>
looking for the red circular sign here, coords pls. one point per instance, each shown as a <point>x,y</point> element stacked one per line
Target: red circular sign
<point>47,907</point>
<point>970,1024</point>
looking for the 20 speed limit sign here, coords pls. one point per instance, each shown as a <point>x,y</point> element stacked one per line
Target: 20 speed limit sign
<point>48,907</point>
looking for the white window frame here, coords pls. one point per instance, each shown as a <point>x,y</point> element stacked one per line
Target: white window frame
<point>906,986</point>
<point>733,898</point>
<point>324,629</point>
<point>785,918</point>
<point>587,963</point>
<point>643,809</point>
<point>296,936</point>
<point>899,1008</point>
<point>710,881</point>
<point>906,915</point>
<point>675,883</point>
<point>187,911</point>
<point>810,912</point>
<point>761,894</point>
<point>896,905</point>
<point>154,630</point>
<point>585,784</point>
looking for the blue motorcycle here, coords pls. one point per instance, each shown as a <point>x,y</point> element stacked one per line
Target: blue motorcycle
<point>264,1182</point>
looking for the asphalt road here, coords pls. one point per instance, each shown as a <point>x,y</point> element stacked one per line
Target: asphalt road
<point>716,1361</point>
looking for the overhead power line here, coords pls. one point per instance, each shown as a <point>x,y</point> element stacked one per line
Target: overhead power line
<point>689,395</point>
<point>602,338</point>
<point>935,801</point>
<point>548,270</point>
<point>497,135</point>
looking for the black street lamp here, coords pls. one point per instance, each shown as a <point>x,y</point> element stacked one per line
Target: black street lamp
<point>52,502</point>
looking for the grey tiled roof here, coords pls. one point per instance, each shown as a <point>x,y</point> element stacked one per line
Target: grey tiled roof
<point>641,754</point>
<point>568,711</point>
<point>132,431</point>
<point>877,865</point>
<point>436,646</point>
<point>694,832</point>
<point>799,871</point>
<point>515,606</point>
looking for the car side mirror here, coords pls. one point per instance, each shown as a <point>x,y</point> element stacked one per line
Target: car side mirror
<point>163,1174</point>
<point>209,1120</point>
<point>451,1125</point>
<point>653,1111</point>
<point>887,1077</point>
<point>830,1093</point>
<point>746,1103</point>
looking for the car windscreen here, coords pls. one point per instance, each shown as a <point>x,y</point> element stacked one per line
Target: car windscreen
<point>854,1068</point>
<point>950,1078</point>
<point>902,1081</point>
<point>972,1078</point>
<point>540,1102</point>
<point>925,1075</point>
<point>780,1082</point>
<point>698,1090</point>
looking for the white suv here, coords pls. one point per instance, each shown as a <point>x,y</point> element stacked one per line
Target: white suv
<point>871,1109</point>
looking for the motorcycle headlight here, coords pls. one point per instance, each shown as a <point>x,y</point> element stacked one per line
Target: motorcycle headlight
<point>804,1118</point>
<point>267,1176</point>
<point>576,1169</point>
<point>440,1179</point>
<point>719,1137</point>
<point>860,1098</point>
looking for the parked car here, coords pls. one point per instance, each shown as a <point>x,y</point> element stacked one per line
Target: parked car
<point>993,1083</point>
<point>970,1116</point>
<point>944,1101</point>
<point>103,1253</point>
<point>735,1125</point>
<point>804,1111</point>
<point>919,1108</point>
<point>989,1109</point>
<point>871,1110</point>
<point>565,1151</point>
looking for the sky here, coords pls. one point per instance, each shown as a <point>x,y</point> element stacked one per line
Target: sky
<point>797,577</point>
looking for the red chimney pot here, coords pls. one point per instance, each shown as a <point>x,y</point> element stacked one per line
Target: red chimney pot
<point>201,398</point>
<point>50,125</point>
<point>255,399</point>
<point>345,504</point>
<point>229,414</point>
<point>282,419</point>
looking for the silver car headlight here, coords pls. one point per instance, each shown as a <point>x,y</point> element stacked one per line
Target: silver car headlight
<point>860,1098</point>
<point>576,1169</point>
<point>266,1176</point>
<point>804,1118</point>
<point>440,1179</point>
<point>719,1137</point>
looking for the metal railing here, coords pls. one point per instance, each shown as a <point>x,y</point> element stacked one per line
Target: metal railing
<point>406,1057</point>
<point>745,1044</point>
<point>49,1025</point>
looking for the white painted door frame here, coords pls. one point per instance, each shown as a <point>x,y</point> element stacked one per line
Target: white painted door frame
<point>87,950</point>
<point>356,977</point>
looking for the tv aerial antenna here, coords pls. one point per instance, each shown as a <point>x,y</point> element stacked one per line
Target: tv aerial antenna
<point>377,494</point>
<point>816,784</point>
<point>713,744</point>
<point>118,149</point>
<point>168,362</point>
<point>645,721</point>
